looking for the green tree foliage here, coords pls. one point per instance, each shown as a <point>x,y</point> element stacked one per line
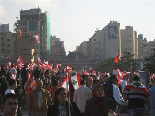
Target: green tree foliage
<point>125,64</point>
<point>76,55</point>
<point>149,64</point>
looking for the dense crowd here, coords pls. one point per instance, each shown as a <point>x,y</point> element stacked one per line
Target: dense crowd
<point>65,92</point>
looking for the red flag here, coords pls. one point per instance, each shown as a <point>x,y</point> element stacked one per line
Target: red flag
<point>20,33</point>
<point>28,75</point>
<point>116,60</point>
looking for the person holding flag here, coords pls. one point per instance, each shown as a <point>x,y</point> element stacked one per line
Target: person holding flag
<point>61,106</point>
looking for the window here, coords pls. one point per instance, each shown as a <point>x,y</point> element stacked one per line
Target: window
<point>2,38</point>
<point>24,29</point>
<point>8,39</point>
<point>2,44</point>
<point>24,23</point>
<point>8,45</point>
<point>94,39</point>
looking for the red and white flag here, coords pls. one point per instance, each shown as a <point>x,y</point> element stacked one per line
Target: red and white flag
<point>75,81</point>
<point>12,75</point>
<point>65,84</point>
<point>8,65</point>
<point>37,37</point>
<point>20,62</point>
<point>69,68</point>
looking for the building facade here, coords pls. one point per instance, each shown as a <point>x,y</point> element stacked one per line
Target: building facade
<point>129,42</point>
<point>57,48</point>
<point>33,22</point>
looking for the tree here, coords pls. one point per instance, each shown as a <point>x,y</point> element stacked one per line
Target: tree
<point>76,55</point>
<point>125,64</point>
<point>149,64</point>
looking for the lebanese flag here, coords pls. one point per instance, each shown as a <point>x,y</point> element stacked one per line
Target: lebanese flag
<point>37,38</point>
<point>75,81</point>
<point>153,76</point>
<point>28,75</point>
<point>8,65</point>
<point>69,68</point>
<point>58,66</point>
<point>141,89</point>
<point>46,62</point>
<point>20,60</point>
<point>12,75</point>
<point>20,33</point>
<point>65,84</point>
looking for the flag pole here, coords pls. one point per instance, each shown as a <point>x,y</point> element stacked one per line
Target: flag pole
<point>69,95</point>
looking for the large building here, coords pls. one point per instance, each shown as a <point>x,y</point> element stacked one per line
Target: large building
<point>7,42</point>
<point>105,43</point>
<point>82,47</point>
<point>57,48</point>
<point>34,22</point>
<point>129,41</point>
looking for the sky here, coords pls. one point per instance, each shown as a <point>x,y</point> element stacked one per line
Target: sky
<point>75,21</point>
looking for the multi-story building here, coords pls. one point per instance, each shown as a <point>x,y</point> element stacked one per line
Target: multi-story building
<point>106,42</point>
<point>57,48</point>
<point>7,40</point>
<point>129,42</point>
<point>82,48</point>
<point>34,22</point>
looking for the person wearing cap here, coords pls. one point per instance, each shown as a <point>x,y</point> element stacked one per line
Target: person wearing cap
<point>12,86</point>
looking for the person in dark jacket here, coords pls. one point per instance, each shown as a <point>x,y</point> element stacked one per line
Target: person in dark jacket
<point>61,105</point>
<point>99,105</point>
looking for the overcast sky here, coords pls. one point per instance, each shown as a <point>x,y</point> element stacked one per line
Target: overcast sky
<point>76,21</point>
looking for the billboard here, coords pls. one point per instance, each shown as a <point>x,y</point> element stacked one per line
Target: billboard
<point>112,31</point>
<point>33,25</point>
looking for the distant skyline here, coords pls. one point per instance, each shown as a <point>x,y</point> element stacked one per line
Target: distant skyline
<point>76,21</point>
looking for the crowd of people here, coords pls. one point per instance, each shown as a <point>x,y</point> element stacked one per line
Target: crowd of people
<point>42,94</point>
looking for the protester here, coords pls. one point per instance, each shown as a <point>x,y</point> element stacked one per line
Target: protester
<point>112,91</point>
<point>137,95</point>
<point>124,82</point>
<point>12,86</point>
<point>10,104</point>
<point>81,95</point>
<point>38,100</point>
<point>90,82</point>
<point>99,105</point>
<point>152,98</point>
<point>61,106</point>
<point>29,85</point>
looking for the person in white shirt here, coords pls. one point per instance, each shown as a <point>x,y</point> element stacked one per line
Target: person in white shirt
<point>81,95</point>
<point>12,86</point>
<point>13,72</point>
<point>124,82</point>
